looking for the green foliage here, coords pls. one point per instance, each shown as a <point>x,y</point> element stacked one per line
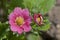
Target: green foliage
<point>41,6</point>
<point>3,29</point>
<point>46,25</point>
<point>11,36</point>
<point>43,27</point>
<point>15,3</point>
<point>6,34</point>
<point>33,37</point>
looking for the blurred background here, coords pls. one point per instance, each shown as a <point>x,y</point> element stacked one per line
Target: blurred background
<point>54,17</point>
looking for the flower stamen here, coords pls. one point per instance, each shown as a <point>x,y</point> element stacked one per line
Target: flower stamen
<point>19,20</point>
<point>38,19</point>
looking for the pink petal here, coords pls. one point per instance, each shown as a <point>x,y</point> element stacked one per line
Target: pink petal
<point>11,22</point>
<point>26,28</point>
<point>14,28</point>
<point>25,12</point>
<point>28,20</point>
<point>17,11</point>
<point>12,16</point>
<point>20,30</point>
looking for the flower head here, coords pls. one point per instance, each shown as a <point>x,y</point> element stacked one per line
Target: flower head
<point>20,20</point>
<point>38,19</point>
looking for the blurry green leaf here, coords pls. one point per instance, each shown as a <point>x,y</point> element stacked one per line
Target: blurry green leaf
<point>47,5</point>
<point>44,28</point>
<point>9,10</point>
<point>3,27</point>
<point>15,3</point>
<point>11,36</point>
<point>33,37</point>
<point>42,6</point>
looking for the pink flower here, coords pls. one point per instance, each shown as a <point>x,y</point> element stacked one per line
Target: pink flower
<point>20,20</point>
<point>38,19</point>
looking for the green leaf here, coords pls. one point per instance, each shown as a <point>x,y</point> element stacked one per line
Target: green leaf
<point>42,6</point>
<point>3,27</point>
<point>11,36</point>
<point>44,28</point>
<point>15,3</point>
<point>46,5</point>
<point>33,37</point>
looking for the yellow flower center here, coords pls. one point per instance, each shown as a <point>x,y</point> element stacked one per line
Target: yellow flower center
<point>19,20</point>
<point>38,19</point>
